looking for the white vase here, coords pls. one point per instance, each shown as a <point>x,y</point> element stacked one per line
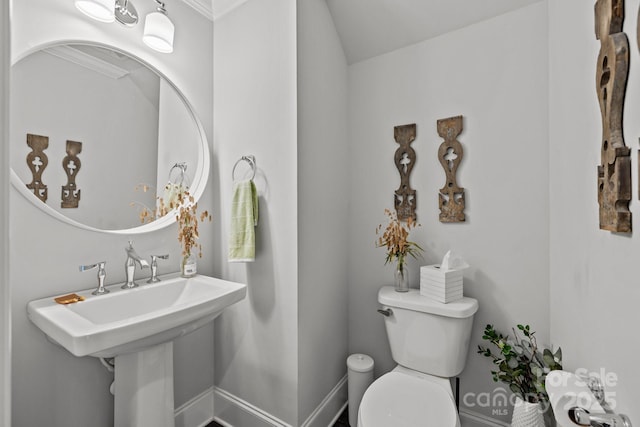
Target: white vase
<point>527,414</point>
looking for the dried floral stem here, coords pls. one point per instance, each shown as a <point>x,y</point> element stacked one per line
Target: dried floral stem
<point>395,239</point>
<point>186,216</point>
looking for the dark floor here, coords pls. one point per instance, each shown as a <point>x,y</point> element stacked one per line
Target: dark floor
<point>343,421</point>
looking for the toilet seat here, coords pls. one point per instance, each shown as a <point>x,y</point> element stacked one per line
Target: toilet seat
<point>401,400</point>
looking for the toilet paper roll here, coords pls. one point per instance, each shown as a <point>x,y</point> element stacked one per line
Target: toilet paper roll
<point>562,404</point>
<point>566,391</point>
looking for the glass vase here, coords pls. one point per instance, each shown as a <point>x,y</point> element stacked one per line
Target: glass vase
<point>189,266</point>
<point>401,277</point>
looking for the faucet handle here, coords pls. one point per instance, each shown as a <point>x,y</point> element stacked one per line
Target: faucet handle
<point>102,273</point>
<point>154,267</point>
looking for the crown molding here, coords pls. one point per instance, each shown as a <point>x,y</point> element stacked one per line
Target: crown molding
<point>222,7</point>
<point>204,7</point>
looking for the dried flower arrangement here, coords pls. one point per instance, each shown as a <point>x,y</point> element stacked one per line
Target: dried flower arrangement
<point>178,198</point>
<point>145,214</point>
<point>187,219</point>
<point>395,239</point>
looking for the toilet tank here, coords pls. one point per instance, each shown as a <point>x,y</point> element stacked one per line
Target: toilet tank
<point>426,335</point>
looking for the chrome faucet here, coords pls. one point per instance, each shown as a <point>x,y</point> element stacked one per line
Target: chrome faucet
<point>154,267</point>
<point>101,275</point>
<point>130,266</point>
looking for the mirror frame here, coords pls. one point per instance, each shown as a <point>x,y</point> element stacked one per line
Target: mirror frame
<point>199,176</point>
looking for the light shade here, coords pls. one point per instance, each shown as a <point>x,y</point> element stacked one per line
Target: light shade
<point>158,32</point>
<point>100,10</point>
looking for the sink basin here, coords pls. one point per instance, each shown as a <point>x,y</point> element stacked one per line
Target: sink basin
<point>137,328</point>
<point>128,320</point>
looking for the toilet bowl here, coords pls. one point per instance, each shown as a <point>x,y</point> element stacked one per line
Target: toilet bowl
<point>404,398</point>
<point>429,340</point>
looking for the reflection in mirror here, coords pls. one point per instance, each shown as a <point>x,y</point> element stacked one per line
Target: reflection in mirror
<point>133,124</point>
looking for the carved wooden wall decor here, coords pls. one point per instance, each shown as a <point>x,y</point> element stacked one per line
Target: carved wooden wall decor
<point>451,196</point>
<point>71,164</point>
<point>37,162</point>
<point>614,171</point>
<point>404,198</point>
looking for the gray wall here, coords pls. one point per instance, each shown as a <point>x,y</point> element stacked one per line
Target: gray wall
<point>324,170</point>
<point>594,273</point>
<point>493,73</point>
<point>5,290</point>
<point>50,386</point>
<point>255,106</point>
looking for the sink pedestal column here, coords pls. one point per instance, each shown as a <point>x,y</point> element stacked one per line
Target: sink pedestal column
<point>144,388</point>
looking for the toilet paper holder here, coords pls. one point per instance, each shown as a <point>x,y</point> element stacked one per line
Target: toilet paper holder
<point>582,417</point>
<point>567,387</point>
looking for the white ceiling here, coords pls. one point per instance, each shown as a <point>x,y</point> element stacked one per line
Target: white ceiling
<point>369,28</point>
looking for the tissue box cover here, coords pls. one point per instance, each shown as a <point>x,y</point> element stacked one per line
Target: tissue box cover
<point>434,272</point>
<point>439,285</point>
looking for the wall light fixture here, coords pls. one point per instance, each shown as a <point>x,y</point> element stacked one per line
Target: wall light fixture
<point>158,28</point>
<point>100,10</point>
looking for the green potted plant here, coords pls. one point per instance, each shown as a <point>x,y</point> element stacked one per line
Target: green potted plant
<point>523,367</point>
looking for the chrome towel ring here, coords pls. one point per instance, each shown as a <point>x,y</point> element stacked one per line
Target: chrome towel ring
<point>249,159</point>
<point>181,175</point>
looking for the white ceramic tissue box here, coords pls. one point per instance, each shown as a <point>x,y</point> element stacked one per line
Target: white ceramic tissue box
<point>440,285</point>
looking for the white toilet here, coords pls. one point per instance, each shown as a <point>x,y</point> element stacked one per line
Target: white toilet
<point>429,341</point>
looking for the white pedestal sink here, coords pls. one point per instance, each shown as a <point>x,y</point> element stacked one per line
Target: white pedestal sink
<point>137,327</point>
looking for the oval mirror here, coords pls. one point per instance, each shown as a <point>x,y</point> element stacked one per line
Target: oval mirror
<point>96,136</point>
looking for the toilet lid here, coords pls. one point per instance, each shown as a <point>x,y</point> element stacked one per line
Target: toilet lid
<point>400,400</point>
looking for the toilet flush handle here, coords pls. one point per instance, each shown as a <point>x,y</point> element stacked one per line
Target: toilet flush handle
<point>385,312</point>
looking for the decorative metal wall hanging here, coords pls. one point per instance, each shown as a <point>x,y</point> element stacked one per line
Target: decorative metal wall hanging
<point>614,171</point>
<point>37,162</point>
<point>451,196</point>
<point>404,198</point>
<point>71,165</point>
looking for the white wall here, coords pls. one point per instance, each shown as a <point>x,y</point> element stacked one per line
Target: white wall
<point>323,202</point>
<point>255,113</point>
<point>50,386</point>
<point>494,74</point>
<point>5,289</point>
<point>594,273</point>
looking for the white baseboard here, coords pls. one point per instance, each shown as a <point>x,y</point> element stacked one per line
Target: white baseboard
<point>231,411</point>
<point>474,419</point>
<point>234,411</point>
<point>329,410</point>
<point>198,412</point>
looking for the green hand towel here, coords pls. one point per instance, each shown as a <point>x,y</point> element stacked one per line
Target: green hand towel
<point>244,219</point>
